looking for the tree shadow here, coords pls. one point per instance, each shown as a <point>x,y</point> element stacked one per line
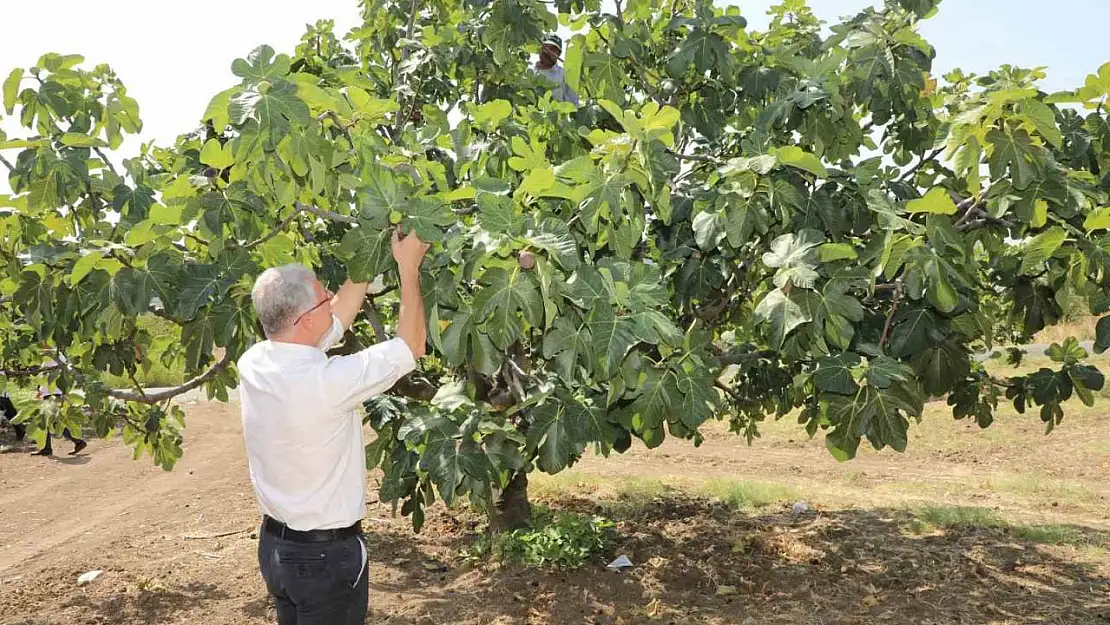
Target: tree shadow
<point>149,606</point>
<point>9,444</point>
<point>703,562</point>
<point>72,460</point>
<point>259,608</point>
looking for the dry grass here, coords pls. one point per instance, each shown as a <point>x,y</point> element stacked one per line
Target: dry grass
<point>749,494</point>
<point>958,517</point>
<point>1082,328</point>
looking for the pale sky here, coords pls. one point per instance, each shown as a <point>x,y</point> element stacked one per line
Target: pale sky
<point>174,56</point>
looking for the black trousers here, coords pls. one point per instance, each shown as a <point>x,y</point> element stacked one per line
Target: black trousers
<point>315,583</point>
<point>65,434</point>
<point>48,447</point>
<point>7,408</point>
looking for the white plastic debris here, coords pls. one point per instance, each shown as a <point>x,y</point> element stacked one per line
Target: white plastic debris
<point>88,578</point>
<point>620,563</point>
<point>800,507</point>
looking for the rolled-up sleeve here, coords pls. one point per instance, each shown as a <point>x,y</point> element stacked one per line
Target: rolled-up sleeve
<point>350,380</point>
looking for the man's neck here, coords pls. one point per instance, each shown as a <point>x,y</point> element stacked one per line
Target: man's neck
<point>543,65</point>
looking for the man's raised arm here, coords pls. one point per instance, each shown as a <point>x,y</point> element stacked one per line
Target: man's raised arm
<point>348,301</point>
<point>409,252</point>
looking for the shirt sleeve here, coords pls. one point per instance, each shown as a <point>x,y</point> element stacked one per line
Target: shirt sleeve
<point>572,96</point>
<point>350,380</point>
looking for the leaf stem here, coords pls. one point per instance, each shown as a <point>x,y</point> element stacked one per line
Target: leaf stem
<point>135,381</point>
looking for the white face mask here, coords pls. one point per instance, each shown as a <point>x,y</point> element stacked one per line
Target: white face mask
<point>332,337</point>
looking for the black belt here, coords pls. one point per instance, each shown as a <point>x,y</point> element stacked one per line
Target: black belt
<point>281,530</point>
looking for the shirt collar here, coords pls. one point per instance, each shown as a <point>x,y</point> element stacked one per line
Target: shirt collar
<point>294,348</point>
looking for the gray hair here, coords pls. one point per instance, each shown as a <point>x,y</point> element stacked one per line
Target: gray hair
<point>281,294</point>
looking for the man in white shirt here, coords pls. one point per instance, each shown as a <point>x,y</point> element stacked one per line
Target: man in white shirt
<point>303,433</point>
<point>52,399</point>
<point>548,67</point>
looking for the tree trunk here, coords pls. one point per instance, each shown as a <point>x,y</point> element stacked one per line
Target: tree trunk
<point>512,510</point>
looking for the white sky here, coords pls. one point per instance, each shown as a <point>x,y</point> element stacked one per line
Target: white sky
<point>174,56</point>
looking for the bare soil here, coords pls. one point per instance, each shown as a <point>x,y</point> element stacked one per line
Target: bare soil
<point>179,547</point>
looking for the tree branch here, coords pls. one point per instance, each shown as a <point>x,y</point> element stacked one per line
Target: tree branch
<point>111,167</point>
<point>385,291</point>
<point>338,124</point>
<point>326,214</point>
<point>98,205</point>
<point>412,25</point>
<point>154,398</point>
<point>280,227</point>
<point>1003,382</point>
<point>413,388</point>
<point>890,316</point>
<point>967,208</point>
<point>628,157</point>
<point>189,235</point>
<point>965,205</point>
<point>932,156</point>
<point>731,393</point>
<point>712,310</point>
<point>737,358</point>
<point>982,219</point>
<point>375,319</point>
<point>29,371</point>
<point>695,157</point>
<point>404,57</point>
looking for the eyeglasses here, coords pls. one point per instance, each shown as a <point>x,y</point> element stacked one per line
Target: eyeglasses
<point>313,309</point>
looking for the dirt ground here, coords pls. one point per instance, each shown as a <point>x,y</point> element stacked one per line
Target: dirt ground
<point>179,547</point>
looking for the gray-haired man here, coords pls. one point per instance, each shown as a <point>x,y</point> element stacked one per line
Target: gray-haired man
<point>304,434</point>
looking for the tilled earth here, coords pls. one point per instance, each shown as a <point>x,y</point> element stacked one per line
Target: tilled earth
<point>179,547</point>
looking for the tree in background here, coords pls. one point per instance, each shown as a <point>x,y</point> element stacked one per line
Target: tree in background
<point>733,225</point>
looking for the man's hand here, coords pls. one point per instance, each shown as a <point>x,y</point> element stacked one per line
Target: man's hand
<point>408,251</point>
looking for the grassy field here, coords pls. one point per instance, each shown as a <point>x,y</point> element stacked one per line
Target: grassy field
<point>152,374</point>
<point>1082,328</point>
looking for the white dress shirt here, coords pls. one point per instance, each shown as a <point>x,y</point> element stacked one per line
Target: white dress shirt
<point>45,392</point>
<point>303,428</point>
